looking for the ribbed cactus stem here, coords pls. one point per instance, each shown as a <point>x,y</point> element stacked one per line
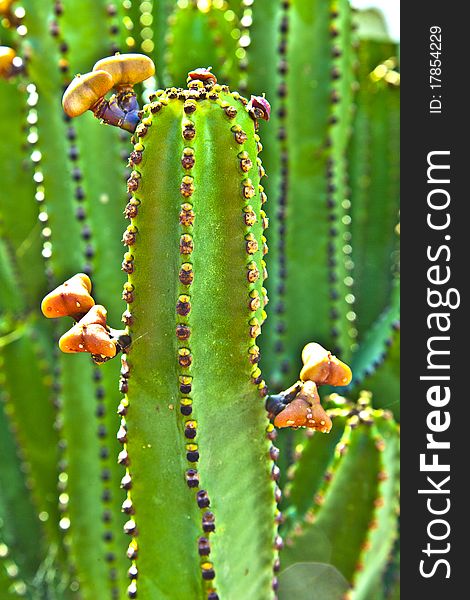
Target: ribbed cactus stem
<point>193,416</point>
<point>351,521</point>
<point>316,92</point>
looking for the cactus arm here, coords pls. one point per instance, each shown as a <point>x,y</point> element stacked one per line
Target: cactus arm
<point>308,25</point>
<point>102,219</point>
<point>381,537</point>
<point>32,416</point>
<point>80,483</point>
<point>102,188</point>
<point>161,11</point>
<point>373,177</point>
<point>89,538</point>
<point>107,422</point>
<point>262,66</point>
<point>342,316</point>
<point>86,22</point>
<point>315,456</point>
<point>103,174</point>
<point>356,491</point>
<point>51,130</point>
<point>206,30</point>
<point>144,30</point>
<point>224,399</point>
<point>238,406</point>
<point>374,158</point>
<point>131,26</point>
<point>310,162</point>
<point>351,494</point>
<point>262,70</point>
<point>376,363</point>
<point>81,475</point>
<point>101,225</point>
<point>18,213</point>
<point>19,523</point>
<point>22,283</point>
<point>155,438</point>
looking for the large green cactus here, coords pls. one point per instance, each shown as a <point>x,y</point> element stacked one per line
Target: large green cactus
<point>194,443</point>
<point>196,211</point>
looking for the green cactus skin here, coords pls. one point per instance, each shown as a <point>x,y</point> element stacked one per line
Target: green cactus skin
<point>385,379</point>
<point>262,76</point>
<point>143,28</point>
<point>11,583</point>
<point>366,452</point>
<point>99,192</point>
<point>309,267</point>
<point>367,582</point>
<point>132,27</point>
<point>160,12</point>
<point>306,474</point>
<point>342,315</point>
<point>101,224</point>
<point>379,338</point>
<point>315,186</point>
<point>27,481</point>
<point>375,361</point>
<point>374,155</point>
<point>206,31</point>
<point>19,523</point>
<point>18,217</point>
<point>51,131</point>
<point>205,222</point>
<point>10,296</point>
<point>85,479</point>
<point>32,416</point>
<point>20,528</point>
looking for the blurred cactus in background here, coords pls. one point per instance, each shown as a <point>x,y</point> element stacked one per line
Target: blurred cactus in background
<point>188,490</point>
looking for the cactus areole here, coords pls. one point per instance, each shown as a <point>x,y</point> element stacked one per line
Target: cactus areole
<point>195,433</point>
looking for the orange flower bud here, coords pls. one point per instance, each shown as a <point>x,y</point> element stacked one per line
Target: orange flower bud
<point>323,368</point>
<point>305,411</point>
<point>90,335</point>
<point>71,299</point>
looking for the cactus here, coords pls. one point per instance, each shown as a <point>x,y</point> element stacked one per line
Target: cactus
<point>356,475</point>
<point>178,495</point>
<point>192,391</point>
